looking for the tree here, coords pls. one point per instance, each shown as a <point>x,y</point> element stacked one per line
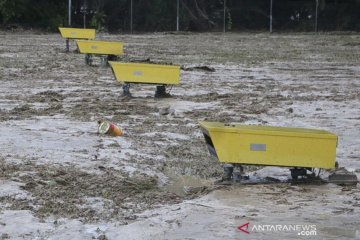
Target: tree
<point>12,10</point>
<point>198,14</point>
<point>195,15</point>
<point>47,14</point>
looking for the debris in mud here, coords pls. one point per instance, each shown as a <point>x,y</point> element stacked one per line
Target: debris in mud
<point>254,85</point>
<point>102,237</point>
<point>89,108</point>
<point>4,236</point>
<point>51,101</point>
<point>202,190</point>
<point>67,192</point>
<point>192,161</point>
<point>47,96</point>
<point>342,176</point>
<point>143,60</point>
<point>165,110</point>
<point>272,179</point>
<point>198,68</point>
<point>290,110</point>
<point>109,128</point>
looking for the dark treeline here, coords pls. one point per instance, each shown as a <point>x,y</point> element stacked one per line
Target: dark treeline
<point>194,15</point>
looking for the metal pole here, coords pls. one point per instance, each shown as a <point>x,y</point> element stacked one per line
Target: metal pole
<point>177,15</point>
<point>131,16</point>
<point>316,15</point>
<point>69,13</point>
<point>85,12</point>
<point>224,25</point>
<point>271,15</point>
<point>69,19</point>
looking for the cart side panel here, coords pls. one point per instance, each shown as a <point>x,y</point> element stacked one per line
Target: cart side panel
<point>77,33</point>
<point>288,147</point>
<point>146,73</point>
<point>100,47</point>
<point>209,143</point>
<point>272,150</point>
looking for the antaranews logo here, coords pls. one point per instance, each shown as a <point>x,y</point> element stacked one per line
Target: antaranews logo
<point>244,228</point>
<point>300,229</point>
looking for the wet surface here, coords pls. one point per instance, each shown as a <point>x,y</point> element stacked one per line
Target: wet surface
<point>63,180</point>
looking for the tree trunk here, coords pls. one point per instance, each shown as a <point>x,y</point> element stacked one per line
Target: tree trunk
<point>199,19</point>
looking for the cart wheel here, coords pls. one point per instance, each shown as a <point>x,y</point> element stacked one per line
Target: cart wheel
<point>161,92</point>
<point>112,58</point>
<point>126,90</point>
<point>297,172</point>
<point>88,59</point>
<point>104,61</point>
<point>228,172</point>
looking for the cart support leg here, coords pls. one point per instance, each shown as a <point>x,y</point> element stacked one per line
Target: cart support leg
<point>67,45</point>
<point>228,172</point>
<point>104,61</point>
<point>298,172</point>
<point>161,92</point>
<point>88,59</point>
<point>126,90</point>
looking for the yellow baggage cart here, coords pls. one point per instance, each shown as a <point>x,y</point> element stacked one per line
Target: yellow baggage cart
<point>107,50</point>
<point>161,75</point>
<point>298,148</point>
<point>76,33</point>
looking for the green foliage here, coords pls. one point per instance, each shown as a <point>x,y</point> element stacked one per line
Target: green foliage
<point>46,14</point>
<point>98,21</point>
<point>228,20</point>
<point>11,10</point>
<point>160,15</point>
<point>322,4</point>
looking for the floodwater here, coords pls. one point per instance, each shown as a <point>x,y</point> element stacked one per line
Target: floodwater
<point>60,179</point>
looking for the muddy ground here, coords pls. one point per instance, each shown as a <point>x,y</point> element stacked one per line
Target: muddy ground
<point>59,179</point>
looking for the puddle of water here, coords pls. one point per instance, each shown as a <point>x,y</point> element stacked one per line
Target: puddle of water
<point>182,184</point>
<point>339,232</point>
